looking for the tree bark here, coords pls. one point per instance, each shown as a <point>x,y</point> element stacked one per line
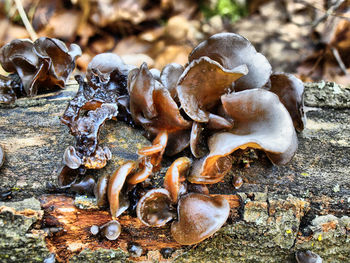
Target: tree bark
<point>277,211</point>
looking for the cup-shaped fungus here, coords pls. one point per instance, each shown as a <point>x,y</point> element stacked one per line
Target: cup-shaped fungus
<point>170,75</point>
<point>201,85</point>
<point>307,257</point>
<point>231,50</point>
<point>44,64</point>
<point>153,107</point>
<point>261,122</point>
<point>85,186</point>
<point>111,230</point>
<point>61,59</point>
<point>71,159</point>
<point>108,69</point>
<point>199,217</point>
<point>115,186</point>
<point>154,208</point>
<point>100,190</point>
<point>174,175</point>
<point>290,90</point>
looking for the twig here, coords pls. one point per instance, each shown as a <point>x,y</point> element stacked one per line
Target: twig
<point>339,60</point>
<point>25,20</point>
<point>331,11</point>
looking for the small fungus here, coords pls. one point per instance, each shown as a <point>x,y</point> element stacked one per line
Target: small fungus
<point>201,85</point>
<point>290,90</point>
<point>261,122</point>
<point>154,208</point>
<point>111,230</point>
<point>237,182</point>
<point>115,186</point>
<point>135,250</point>
<point>71,159</point>
<point>174,175</point>
<point>307,257</point>
<point>85,186</point>
<point>94,229</point>
<point>231,50</point>
<point>199,217</point>
<point>100,190</point>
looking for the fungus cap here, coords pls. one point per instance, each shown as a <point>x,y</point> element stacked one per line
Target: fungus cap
<point>231,50</point>
<point>199,217</point>
<point>261,122</point>
<point>154,208</point>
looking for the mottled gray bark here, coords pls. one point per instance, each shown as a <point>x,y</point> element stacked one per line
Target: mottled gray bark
<point>303,205</point>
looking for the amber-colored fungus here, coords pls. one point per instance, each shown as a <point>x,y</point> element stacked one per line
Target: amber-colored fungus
<point>115,186</point>
<point>261,122</point>
<point>154,208</point>
<point>201,85</point>
<point>173,176</point>
<point>231,50</point>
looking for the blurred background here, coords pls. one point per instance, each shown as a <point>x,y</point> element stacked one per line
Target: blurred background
<point>310,38</point>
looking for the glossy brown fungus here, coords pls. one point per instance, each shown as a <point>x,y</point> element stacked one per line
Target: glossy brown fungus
<point>231,50</point>
<point>290,90</point>
<point>85,186</point>
<point>8,90</point>
<point>86,131</point>
<point>100,190</point>
<point>199,217</point>
<point>261,122</point>
<point>170,76</point>
<point>201,85</point>
<point>174,175</point>
<point>154,208</point>
<point>115,186</point>
<point>43,64</point>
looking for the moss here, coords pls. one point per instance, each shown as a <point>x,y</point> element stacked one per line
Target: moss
<point>100,255</point>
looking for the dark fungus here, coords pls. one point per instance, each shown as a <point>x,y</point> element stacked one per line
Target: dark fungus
<point>225,93</point>
<point>43,64</point>
<point>174,175</point>
<point>85,186</point>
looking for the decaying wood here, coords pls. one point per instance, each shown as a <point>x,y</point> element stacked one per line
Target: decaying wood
<point>76,224</point>
<point>303,205</point>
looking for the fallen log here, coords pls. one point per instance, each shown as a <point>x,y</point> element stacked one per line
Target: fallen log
<point>277,211</point>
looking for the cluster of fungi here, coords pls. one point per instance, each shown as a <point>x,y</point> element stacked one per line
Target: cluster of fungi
<point>224,99</point>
